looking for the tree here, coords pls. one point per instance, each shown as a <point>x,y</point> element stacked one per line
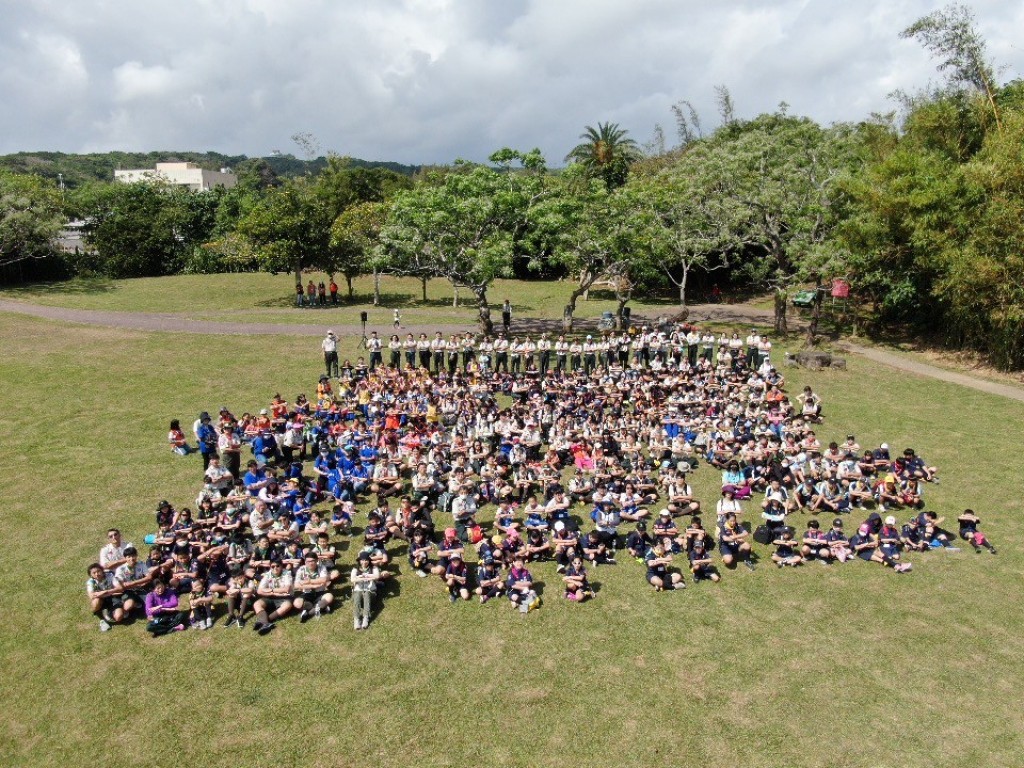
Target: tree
<point>289,229</point>
<point>606,152</point>
<point>144,229</point>
<point>460,225</point>
<point>692,221</point>
<point>354,234</point>
<point>584,228</point>
<point>30,218</point>
<point>949,34</point>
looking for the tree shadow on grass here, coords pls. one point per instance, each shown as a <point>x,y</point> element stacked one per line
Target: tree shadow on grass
<point>82,286</point>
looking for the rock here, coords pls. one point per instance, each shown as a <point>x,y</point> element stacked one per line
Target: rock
<point>838,363</point>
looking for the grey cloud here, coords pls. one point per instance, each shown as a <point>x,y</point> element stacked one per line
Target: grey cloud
<point>432,80</point>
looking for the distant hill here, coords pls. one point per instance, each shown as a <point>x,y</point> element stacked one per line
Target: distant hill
<point>100,166</point>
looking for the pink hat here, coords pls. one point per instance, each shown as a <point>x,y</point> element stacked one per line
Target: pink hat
<point>864,529</point>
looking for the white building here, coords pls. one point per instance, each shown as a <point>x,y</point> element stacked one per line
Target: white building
<point>181,174</point>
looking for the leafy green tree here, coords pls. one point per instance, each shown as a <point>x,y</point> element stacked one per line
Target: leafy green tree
<point>606,152</point>
<point>584,228</point>
<point>354,235</point>
<point>144,229</point>
<point>460,225</point>
<point>30,218</point>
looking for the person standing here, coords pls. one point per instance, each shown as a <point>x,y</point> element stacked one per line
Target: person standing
<point>333,288</point>
<point>506,315</point>
<point>298,295</point>
<point>373,344</point>
<point>396,319</point>
<point>311,293</point>
<point>330,348</point>
<point>321,293</point>
<point>207,437</point>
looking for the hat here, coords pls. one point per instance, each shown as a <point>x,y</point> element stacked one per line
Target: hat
<point>664,513</point>
<point>263,412</point>
<point>488,560</point>
<point>364,555</point>
<point>864,529</point>
<point>641,526</point>
<point>559,526</point>
<point>698,544</point>
<point>884,446</point>
<point>496,540</point>
<point>890,478</point>
<point>890,520</point>
<point>204,416</point>
<point>455,556</point>
<point>449,533</point>
<point>838,522</point>
<point>330,333</point>
<point>589,337</point>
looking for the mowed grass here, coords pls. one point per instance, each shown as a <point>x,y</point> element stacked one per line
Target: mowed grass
<point>847,666</point>
<point>270,298</point>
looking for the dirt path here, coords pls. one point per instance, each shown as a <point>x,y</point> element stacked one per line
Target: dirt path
<point>700,313</point>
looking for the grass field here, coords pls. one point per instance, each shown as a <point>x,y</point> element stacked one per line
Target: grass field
<point>270,298</point>
<point>848,666</point>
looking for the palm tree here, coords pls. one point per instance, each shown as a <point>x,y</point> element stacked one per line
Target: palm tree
<point>607,152</point>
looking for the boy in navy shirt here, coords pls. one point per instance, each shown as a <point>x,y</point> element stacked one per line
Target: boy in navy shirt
<point>700,563</point>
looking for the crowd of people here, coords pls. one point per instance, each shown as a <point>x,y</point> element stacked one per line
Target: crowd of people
<point>529,449</point>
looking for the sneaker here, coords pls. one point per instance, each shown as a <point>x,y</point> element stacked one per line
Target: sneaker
<point>452,598</point>
<point>305,616</point>
<point>266,628</point>
<point>240,622</point>
<point>610,560</point>
<point>108,616</point>
<point>484,599</point>
<point>421,573</point>
<point>104,625</point>
<point>257,626</point>
<point>366,622</point>
<point>210,622</point>
<point>679,585</point>
<point>750,564</point>
<point>560,568</point>
<point>952,549</point>
<point>357,624</point>
<point>179,628</point>
<point>197,625</point>
<point>992,550</point>
<point>230,622</point>
<point>316,611</point>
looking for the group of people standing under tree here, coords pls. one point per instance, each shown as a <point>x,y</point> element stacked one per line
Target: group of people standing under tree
<point>316,294</point>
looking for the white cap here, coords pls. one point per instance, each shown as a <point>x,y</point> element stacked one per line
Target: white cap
<point>559,526</point>
<point>890,520</point>
<point>885,446</point>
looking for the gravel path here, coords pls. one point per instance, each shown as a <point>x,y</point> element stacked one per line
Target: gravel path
<point>734,313</point>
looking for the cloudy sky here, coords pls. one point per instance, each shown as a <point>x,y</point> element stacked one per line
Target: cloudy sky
<point>421,81</point>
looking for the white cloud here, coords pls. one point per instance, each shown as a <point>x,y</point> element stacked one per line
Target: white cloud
<point>430,80</point>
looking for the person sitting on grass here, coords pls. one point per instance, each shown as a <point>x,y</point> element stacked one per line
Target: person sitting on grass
<point>912,536</point>
<point>240,594</point>
<point>639,541</point>
<point>577,584</point>
<point>565,541</point>
<point>537,546</point>
<point>200,605</point>
<point>969,523</point>
<point>786,549</point>
<point>889,538</point>
<point>700,563</point>
<point>595,550</point>
<point>490,583</point>
<point>838,544</point>
<point>936,536</point>
<point>450,545</point>
<point>104,597</point>
<point>456,577</point>
<point>733,542</point>
<point>658,574</point>
<point>133,579</point>
<point>312,582</point>
<point>162,610</point>
<point>420,548</point>
<point>275,598</point>
<point>865,545</point>
<point>176,438</point>
<point>520,587</point>
<point>815,544</point>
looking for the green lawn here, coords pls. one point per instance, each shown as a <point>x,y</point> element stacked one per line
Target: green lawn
<point>270,298</point>
<point>848,666</point>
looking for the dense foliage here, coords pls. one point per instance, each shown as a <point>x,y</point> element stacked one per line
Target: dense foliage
<point>923,216</point>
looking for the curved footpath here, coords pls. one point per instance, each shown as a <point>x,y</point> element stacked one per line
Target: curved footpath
<point>172,323</point>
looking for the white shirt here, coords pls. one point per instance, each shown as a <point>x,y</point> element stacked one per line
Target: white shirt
<point>330,344</point>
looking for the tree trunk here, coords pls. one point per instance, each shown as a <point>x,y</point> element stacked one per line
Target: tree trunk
<point>623,297</point>
<point>376,288</point>
<point>423,284</point>
<point>348,281</point>
<point>484,317</point>
<point>297,267</point>
<point>781,296</point>
<point>682,286</point>
<point>582,289</point>
<point>455,295</point>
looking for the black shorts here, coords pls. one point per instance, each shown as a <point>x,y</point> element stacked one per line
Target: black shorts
<point>275,603</point>
<point>311,597</point>
<point>113,602</point>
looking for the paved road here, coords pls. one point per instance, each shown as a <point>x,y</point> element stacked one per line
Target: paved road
<point>734,313</point>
